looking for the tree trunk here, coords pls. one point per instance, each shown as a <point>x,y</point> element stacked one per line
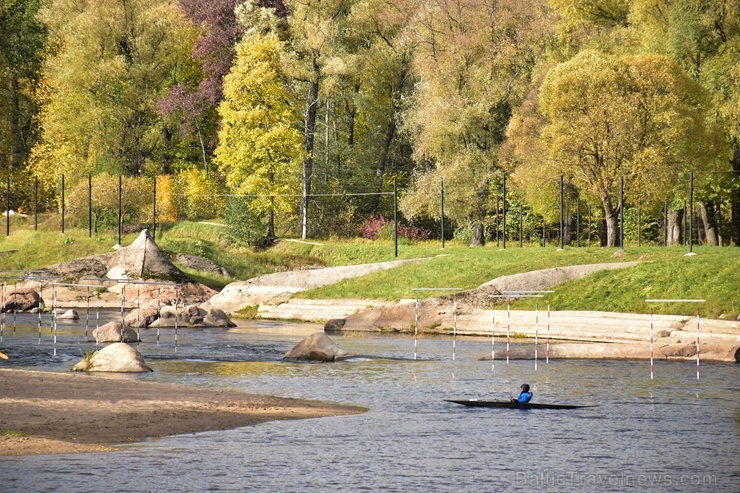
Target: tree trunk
<point>612,225</point>
<point>308,144</point>
<point>479,236</point>
<point>675,219</point>
<point>709,218</point>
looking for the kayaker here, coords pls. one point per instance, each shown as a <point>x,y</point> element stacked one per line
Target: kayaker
<point>524,396</point>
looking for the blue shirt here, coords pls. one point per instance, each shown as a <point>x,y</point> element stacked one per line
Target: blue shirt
<point>524,397</point>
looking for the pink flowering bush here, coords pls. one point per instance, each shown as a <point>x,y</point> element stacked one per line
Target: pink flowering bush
<point>377,227</point>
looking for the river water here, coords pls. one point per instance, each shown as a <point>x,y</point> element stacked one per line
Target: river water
<point>672,433</point>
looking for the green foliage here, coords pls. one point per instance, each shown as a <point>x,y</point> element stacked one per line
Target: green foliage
<point>259,149</point>
<point>110,63</point>
<point>136,200</point>
<point>197,194</point>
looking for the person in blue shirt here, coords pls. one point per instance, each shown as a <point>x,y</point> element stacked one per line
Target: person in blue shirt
<point>525,396</point>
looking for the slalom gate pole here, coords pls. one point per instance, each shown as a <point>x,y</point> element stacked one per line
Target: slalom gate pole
<point>651,343</point>
<point>15,304</point>
<point>41,305</point>
<point>508,327</point>
<point>536,330</point>
<point>454,326</point>
<point>97,320</point>
<point>87,314</point>
<point>54,317</point>
<point>547,349</point>
<point>697,328</point>
<point>493,341</point>
<point>159,313</point>
<point>697,344</point>
<point>2,315</point>
<point>416,324</point>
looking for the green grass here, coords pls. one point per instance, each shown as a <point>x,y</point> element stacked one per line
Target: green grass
<point>664,273</point>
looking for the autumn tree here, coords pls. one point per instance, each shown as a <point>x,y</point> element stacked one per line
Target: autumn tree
<point>703,38</point>
<point>22,41</point>
<point>259,149</point>
<point>474,60</point>
<point>637,117</point>
<point>111,62</point>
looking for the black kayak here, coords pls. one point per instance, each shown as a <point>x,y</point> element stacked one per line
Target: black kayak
<point>513,405</point>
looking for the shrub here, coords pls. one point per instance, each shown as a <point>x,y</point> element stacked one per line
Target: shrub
<point>376,227</point>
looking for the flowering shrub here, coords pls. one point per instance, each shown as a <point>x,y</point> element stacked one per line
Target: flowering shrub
<point>376,227</point>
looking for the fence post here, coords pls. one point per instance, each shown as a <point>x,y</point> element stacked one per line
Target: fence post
<point>442,206</point>
<point>395,217</point>
<point>503,208</point>
<point>562,219</point>
<point>154,209</point>
<point>62,204</point>
<point>120,207</point>
<point>7,209</point>
<point>89,206</point>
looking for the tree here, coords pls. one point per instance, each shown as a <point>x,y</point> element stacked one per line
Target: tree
<point>111,62</point>
<point>703,37</point>
<point>474,60</point>
<point>637,117</point>
<point>22,41</point>
<point>259,149</point>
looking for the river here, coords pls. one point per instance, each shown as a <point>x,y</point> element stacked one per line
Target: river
<point>672,433</point>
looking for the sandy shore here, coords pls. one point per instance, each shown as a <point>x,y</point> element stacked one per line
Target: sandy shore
<point>48,413</point>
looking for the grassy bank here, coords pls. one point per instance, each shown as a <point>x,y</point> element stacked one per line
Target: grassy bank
<point>712,274</point>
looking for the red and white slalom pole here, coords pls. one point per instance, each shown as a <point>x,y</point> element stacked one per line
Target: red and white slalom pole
<point>508,327</point>
<point>697,344</point>
<point>547,350</point>
<point>651,343</point>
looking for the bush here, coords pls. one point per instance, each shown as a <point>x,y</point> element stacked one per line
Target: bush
<point>376,227</point>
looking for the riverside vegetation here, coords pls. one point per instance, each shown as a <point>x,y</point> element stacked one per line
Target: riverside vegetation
<point>712,274</point>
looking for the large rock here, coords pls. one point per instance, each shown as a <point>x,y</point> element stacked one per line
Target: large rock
<point>142,260</point>
<point>316,347</point>
<point>20,299</point>
<point>118,357</point>
<point>115,332</point>
<point>201,264</point>
<point>192,316</point>
<point>141,317</point>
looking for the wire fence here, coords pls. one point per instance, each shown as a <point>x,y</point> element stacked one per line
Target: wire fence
<point>509,221</point>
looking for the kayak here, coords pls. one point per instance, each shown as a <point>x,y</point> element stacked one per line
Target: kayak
<point>513,405</point>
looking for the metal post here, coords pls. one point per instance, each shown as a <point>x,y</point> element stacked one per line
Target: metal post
<point>154,209</point>
<point>521,225</point>
<point>442,206</point>
<point>120,206</point>
<point>35,203</point>
<point>578,221</point>
<point>7,209</point>
<point>498,224</point>
<point>639,223</point>
<point>62,204</point>
<point>621,212</point>
<point>562,218</point>
<point>395,217</point>
<point>508,327</point>
<point>589,225</point>
<point>416,324</point>
<point>493,341</point>
<point>89,206</point>
<point>651,344</point>
<point>691,216</point>
<point>454,326</point>
<point>503,206</point>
